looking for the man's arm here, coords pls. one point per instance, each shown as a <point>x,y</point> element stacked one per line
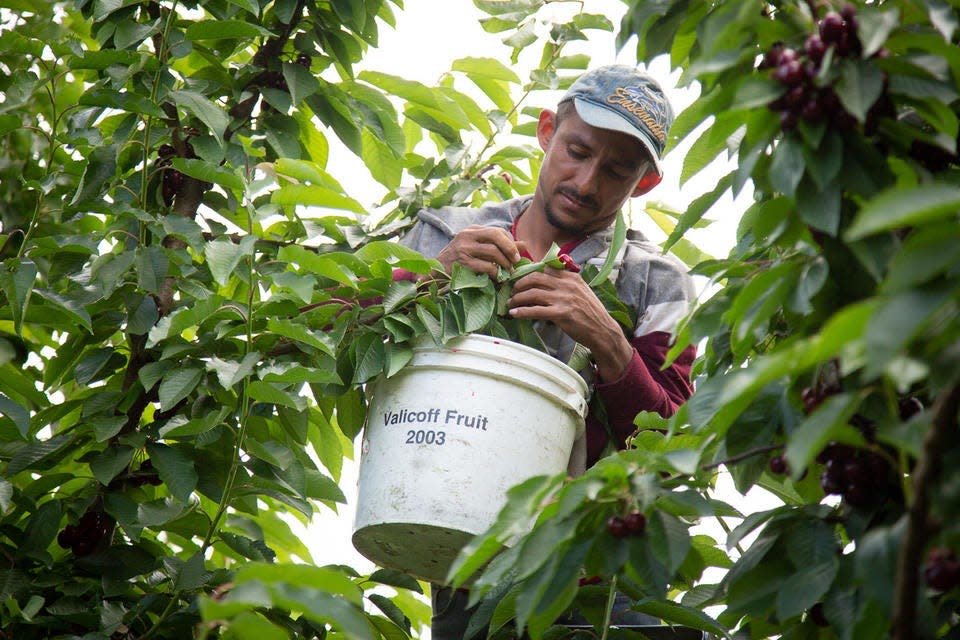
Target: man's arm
<point>642,387</point>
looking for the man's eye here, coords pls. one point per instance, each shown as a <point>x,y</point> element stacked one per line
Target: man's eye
<point>576,154</point>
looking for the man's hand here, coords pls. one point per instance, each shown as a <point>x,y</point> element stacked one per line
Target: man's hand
<point>481,249</point>
<point>565,299</point>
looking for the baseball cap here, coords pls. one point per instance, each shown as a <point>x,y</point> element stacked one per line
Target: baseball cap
<point>622,98</point>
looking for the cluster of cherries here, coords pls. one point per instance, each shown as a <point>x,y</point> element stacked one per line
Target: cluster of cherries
<point>862,477</point>
<point>87,535</point>
<point>172,180</point>
<point>633,524</point>
<point>796,70</point>
<point>942,571</point>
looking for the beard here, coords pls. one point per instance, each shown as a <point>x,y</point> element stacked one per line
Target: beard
<point>575,229</point>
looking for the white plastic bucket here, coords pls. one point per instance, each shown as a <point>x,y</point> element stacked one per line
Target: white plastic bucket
<point>447,436</point>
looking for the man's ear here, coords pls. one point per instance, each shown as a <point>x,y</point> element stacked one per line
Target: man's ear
<point>546,127</point>
<point>647,183</point>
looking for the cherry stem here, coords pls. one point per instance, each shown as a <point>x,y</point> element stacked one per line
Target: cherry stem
<point>611,596</point>
<point>743,456</point>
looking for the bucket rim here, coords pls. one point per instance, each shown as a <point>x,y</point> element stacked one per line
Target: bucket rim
<point>426,343</point>
<point>557,372</point>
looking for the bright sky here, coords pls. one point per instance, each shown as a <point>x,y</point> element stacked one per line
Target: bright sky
<point>428,37</point>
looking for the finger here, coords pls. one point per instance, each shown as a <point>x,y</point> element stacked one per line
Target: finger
<point>498,245</point>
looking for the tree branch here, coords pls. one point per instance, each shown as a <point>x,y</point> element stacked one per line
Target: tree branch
<point>925,474</point>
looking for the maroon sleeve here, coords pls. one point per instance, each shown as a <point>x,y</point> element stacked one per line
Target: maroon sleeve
<point>642,387</point>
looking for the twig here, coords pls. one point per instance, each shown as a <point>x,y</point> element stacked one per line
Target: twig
<point>925,474</point>
<point>743,456</point>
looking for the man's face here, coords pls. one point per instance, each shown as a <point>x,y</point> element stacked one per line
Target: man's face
<point>587,173</point>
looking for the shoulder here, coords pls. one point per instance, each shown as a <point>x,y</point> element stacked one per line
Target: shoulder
<point>661,275</point>
<point>641,251</point>
<point>452,220</point>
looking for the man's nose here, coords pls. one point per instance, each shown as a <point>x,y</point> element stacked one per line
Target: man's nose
<point>588,179</point>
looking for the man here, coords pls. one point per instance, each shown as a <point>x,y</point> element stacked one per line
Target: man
<point>602,146</point>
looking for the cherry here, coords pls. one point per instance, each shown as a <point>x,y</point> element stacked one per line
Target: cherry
<point>82,548</point>
<point>67,537</point>
<point>849,14</point>
<point>909,407</point>
<point>789,73</point>
<point>591,580</point>
<point>817,615</point>
<point>796,95</point>
<point>788,120</point>
<point>811,110</point>
<point>778,465</point>
<point>636,523</point>
<point>568,263</point>
<point>832,27</point>
<point>942,571</point>
<point>173,178</point>
<point>617,527</point>
<point>815,48</point>
<point>832,480</point>
<point>772,57</point>
<point>811,399</point>
<point>168,193</point>
<point>166,150</point>
<point>304,60</point>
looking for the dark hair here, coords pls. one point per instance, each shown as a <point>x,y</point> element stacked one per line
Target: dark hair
<point>563,110</point>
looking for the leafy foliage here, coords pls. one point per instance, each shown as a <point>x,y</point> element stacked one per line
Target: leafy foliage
<point>191,301</point>
<point>829,369</point>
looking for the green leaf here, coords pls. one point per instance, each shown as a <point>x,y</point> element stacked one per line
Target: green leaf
<point>41,528</point>
<point>674,613</point>
<point>829,423</point>
<point>316,196</point>
<point>219,29</point>
<point>805,588</point>
<point>101,167</point>
<point>369,356</point>
<point>266,392</point>
<point>301,333</point>
<point>203,108</point>
<point>17,277</point>
<point>616,242</point>
<point>710,144</point>
<point>787,166</point>
<point>384,165</point>
<point>925,254</point>
<point>351,412</point>
<point>110,462</point>
<point>176,470</point>
<point>31,454</point>
<point>399,294</point>
<point>151,265</point>
<point>859,86</point>
<point>223,257</point>
<point>209,172</point>
<point>899,319</point>
<point>124,101</point>
<point>144,317</point>
<point>252,625</point>
<point>902,207</point>
<point>874,28</point>
<point>177,385</point>
<point>485,68</point>
<point>18,414</point>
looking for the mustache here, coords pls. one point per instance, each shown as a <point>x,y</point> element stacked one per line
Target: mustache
<point>585,201</point>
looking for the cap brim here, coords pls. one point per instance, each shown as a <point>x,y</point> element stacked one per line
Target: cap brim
<point>604,118</point>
